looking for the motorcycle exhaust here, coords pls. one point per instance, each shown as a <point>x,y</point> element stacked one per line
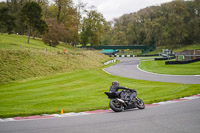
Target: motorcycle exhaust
<point>121,101</point>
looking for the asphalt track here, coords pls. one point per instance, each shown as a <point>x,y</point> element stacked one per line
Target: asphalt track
<point>181,117</point>
<point>128,68</point>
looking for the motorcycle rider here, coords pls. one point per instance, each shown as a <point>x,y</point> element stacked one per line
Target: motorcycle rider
<point>115,87</point>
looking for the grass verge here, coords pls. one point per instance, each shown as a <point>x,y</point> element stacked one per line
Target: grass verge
<point>161,68</point>
<point>79,91</point>
<point>22,61</point>
<point>19,42</point>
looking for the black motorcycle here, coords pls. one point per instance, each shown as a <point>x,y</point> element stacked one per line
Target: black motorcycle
<point>120,101</point>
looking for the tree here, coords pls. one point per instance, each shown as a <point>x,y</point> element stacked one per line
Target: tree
<point>62,5</point>
<point>41,27</point>
<point>31,14</point>
<point>107,34</point>
<point>7,21</point>
<point>92,28</point>
<point>56,32</point>
<point>68,14</point>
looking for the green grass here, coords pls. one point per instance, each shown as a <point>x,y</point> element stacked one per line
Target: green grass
<point>148,64</point>
<point>21,61</point>
<point>79,91</point>
<point>187,47</point>
<point>19,42</point>
<point>20,65</point>
<point>161,68</point>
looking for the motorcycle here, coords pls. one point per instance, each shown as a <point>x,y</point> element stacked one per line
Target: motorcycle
<point>120,101</point>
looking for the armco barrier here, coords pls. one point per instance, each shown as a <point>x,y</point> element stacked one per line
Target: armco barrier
<point>181,62</point>
<point>124,55</point>
<point>134,55</point>
<point>147,55</point>
<point>165,58</point>
<point>108,62</point>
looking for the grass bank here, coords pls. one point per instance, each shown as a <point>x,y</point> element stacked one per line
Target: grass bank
<point>21,65</point>
<point>79,91</point>
<point>22,61</point>
<point>19,42</point>
<point>161,68</point>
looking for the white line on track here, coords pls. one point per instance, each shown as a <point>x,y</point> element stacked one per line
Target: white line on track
<point>106,71</point>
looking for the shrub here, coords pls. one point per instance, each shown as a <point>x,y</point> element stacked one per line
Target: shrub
<point>56,33</point>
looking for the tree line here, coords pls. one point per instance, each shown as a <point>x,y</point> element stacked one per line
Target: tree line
<point>171,24</point>
<point>60,21</point>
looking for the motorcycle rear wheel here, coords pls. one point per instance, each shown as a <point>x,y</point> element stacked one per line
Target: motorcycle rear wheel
<point>115,105</point>
<point>140,103</point>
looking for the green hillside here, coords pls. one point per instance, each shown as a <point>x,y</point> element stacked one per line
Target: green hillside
<point>18,42</point>
<point>21,61</point>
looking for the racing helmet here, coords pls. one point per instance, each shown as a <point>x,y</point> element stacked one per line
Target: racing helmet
<point>115,83</point>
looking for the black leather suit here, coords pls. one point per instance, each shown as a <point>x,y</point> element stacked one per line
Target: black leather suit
<point>115,88</point>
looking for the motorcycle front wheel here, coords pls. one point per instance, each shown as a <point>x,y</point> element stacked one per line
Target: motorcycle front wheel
<point>140,103</point>
<point>115,105</point>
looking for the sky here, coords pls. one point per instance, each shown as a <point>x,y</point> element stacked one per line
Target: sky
<point>115,8</point>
